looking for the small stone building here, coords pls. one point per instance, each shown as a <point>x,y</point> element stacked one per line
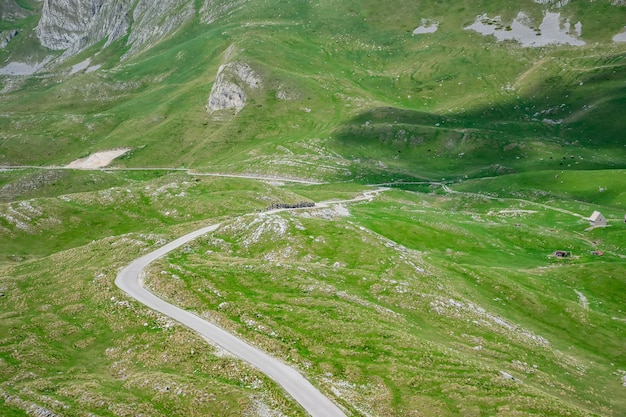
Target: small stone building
<point>597,219</point>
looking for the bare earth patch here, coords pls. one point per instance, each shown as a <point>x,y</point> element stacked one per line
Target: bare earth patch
<point>98,159</point>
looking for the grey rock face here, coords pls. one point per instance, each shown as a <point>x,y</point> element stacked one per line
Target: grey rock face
<point>226,95</point>
<point>7,36</point>
<point>73,25</point>
<point>154,20</point>
<point>228,91</point>
<point>10,11</point>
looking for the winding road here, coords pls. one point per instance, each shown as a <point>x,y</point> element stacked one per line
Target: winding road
<point>310,398</point>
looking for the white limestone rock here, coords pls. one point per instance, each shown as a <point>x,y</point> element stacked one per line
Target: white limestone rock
<point>10,11</point>
<point>155,20</point>
<point>74,25</point>
<point>7,36</point>
<point>231,83</point>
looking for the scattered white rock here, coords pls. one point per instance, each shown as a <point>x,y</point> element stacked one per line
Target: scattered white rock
<point>263,226</point>
<point>262,409</point>
<point>285,95</point>
<point>506,375</point>
<point>213,10</point>
<point>327,213</point>
<point>554,3</point>
<point>512,212</point>
<point>480,317</point>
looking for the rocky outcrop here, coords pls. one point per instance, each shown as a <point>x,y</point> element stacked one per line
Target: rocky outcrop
<point>7,36</point>
<point>10,11</point>
<point>231,83</point>
<point>74,25</point>
<point>154,20</point>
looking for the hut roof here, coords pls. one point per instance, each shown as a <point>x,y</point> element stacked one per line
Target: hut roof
<point>595,216</point>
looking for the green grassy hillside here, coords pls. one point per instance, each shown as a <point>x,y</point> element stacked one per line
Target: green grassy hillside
<point>441,296</point>
<point>341,65</point>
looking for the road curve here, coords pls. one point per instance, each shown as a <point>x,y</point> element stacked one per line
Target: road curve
<point>310,398</point>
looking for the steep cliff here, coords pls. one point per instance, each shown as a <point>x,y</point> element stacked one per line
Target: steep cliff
<point>73,25</point>
<point>153,21</point>
<point>10,11</point>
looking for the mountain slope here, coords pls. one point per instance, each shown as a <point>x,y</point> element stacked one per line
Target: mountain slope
<point>321,72</point>
<point>497,124</point>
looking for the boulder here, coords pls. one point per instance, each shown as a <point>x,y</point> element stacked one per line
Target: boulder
<point>231,83</point>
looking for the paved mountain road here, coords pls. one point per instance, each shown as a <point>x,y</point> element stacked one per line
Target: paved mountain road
<point>310,398</point>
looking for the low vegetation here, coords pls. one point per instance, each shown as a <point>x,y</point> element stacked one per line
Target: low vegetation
<point>441,296</point>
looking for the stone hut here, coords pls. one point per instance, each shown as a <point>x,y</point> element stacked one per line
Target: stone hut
<point>597,219</point>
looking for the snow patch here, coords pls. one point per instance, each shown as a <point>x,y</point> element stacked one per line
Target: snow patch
<point>97,160</point>
<point>20,68</point>
<point>80,66</point>
<point>620,37</point>
<point>426,27</point>
<point>550,32</point>
<point>93,68</point>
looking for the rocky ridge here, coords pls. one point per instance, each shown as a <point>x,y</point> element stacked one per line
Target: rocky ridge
<point>10,11</point>
<point>73,25</point>
<point>152,21</point>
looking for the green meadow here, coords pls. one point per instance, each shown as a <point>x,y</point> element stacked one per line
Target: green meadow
<point>439,297</point>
